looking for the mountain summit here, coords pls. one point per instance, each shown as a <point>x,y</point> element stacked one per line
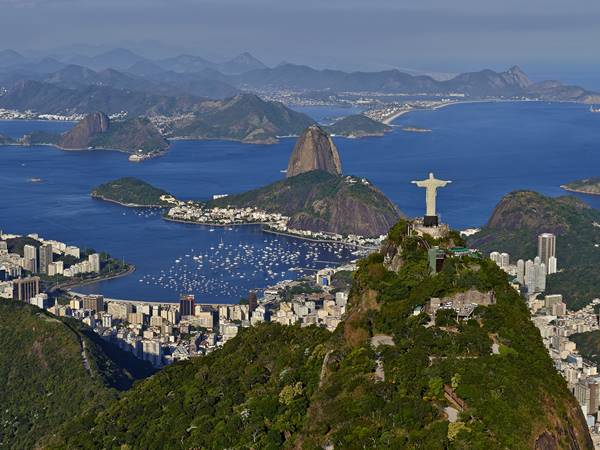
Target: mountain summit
<point>82,134</point>
<point>314,150</point>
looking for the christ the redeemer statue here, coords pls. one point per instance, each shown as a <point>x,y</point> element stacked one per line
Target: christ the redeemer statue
<point>431,185</point>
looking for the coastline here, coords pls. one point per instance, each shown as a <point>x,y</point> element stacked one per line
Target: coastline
<point>304,238</point>
<point>210,224</point>
<point>127,205</point>
<point>461,102</point>
<point>72,284</point>
<point>153,154</point>
<point>577,191</point>
<point>267,230</point>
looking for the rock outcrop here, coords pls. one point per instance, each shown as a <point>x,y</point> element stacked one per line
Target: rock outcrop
<point>80,137</point>
<point>314,150</point>
<point>320,201</point>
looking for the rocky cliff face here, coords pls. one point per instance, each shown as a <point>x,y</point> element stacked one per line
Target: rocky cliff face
<point>314,150</point>
<point>81,135</point>
<point>348,212</point>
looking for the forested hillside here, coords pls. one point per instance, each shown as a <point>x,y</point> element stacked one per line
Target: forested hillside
<point>389,377</point>
<point>51,371</point>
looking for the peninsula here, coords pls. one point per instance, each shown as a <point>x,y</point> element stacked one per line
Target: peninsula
<point>97,131</point>
<point>589,186</point>
<point>315,201</point>
<point>131,192</point>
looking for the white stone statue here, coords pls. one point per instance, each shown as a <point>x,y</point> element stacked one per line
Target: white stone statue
<point>431,185</point>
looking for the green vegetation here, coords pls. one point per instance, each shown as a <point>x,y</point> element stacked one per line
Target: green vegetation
<point>130,191</point>
<point>588,345</point>
<point>320,201</point>
<point>521,216</point>
<point>131,135</point>
<point>511,398</point>
<point>585,186</point>
<point>45,381</point>
<point>307,287</point>
<point>40,138</point>
<point>342,280</point>
<point>17,245</point>
<point>245,118</point>
<point>277,387</point>
<point>251,394</point>
<point>137,135</point>
<point>358,125</point>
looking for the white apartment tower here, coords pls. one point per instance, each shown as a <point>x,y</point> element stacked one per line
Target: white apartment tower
<point>521,272</point>
<point>30,258</point>
<point>546,247</point>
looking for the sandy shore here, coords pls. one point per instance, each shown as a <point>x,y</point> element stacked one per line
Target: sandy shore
<point>389,120</point>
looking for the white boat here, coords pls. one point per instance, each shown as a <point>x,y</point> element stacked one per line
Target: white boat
<point>594,110</point>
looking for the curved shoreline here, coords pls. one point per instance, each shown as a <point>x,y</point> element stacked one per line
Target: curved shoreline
<point>209,224</point>
<point>267,230</point>
<point>128,205</point>
<point>327,241</point>
<point>464,102</point>
<point>577,191</point>
<point>70,285</point>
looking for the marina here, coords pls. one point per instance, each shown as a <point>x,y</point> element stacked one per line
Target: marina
<point>62,208</point>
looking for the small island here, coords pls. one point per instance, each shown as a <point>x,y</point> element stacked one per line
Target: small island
<point>589,186</point>
<point>356,126</point>
<point>132,192</point>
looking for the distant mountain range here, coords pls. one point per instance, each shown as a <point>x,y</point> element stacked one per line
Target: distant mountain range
<point>194,75</point>
<point>123,59</point>
<point>486,83</point>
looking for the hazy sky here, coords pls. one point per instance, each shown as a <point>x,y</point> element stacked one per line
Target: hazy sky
<point>447,35</point>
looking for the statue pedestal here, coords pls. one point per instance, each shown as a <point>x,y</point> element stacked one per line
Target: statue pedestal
<point>437,231</point>
<point>430,221</point>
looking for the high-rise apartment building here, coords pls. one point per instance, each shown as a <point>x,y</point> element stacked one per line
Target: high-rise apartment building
<point>252,302</point>
<point>30,258</point>
<point>546,247</point>
<point>94,261</point>
<point>26,288</point>
<point>45,258</point>
<point>94,303</point>
<point>521,272</point>
<point>186,305</point>
<point>552,265</point>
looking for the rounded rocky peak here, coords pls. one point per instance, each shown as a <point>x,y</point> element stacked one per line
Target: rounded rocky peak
<point>314,150</point>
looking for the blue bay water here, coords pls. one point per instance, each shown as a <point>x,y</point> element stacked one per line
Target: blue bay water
<point>486,149</point>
